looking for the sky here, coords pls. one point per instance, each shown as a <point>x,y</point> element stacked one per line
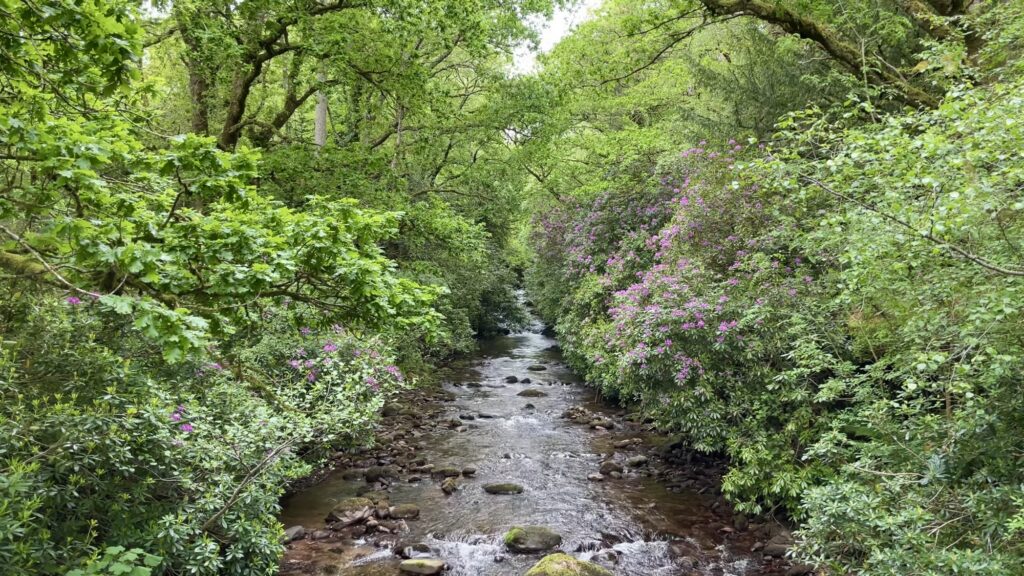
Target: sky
<point>524,61</point>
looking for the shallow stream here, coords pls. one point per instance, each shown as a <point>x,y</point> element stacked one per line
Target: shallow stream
<point>634,525</point>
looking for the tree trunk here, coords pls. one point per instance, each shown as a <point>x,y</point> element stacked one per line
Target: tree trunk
<point>320,122</point>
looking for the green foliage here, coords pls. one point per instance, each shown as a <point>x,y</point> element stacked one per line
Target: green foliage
<point>118,561</point>
<point>837,313</point>
<point>109,443</point>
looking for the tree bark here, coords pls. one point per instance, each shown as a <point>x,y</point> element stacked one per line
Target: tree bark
<point>320,121</point>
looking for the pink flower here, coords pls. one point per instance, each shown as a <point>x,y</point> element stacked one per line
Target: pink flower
<point>186,427</point>
<point>73,300</point>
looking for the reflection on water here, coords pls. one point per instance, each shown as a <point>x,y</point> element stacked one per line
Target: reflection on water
<point>626,525</point>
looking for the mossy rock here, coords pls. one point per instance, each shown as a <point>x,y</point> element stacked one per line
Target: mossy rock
<point>528,539</point>
<point>405,512</point>
<point>349,507</point>
<point>422,566</point>
<point>447,471</point>
<point>503,488</point>
<point>565,565</point>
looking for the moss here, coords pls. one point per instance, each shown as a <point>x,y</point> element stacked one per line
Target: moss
<point>565,565</point>
<point>513,534</point>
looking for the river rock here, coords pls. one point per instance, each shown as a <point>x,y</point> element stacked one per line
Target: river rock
<point>511,379</point>
<point>778,545</point>
<point>421,566</point>
<point>378,473</point>
<point>532,393</point>
<point>595,477</point>
<point>468,471</point>
<point>536,367</point>
<point>447,471</point>
<point>525,381</point>
<point>565,565</point>
<point>800,570</point>
<point>529,407</point>
<point>531,539</point>
<point>503,488</point>
<point>609,466</point>
<point>486,415</point>
<point>405,512</point>
<point>636,461</point>
<point>467,417</point>
<point>350,511</point>
<point>294,533</point>
<point>416,550</point>
<point>449,485</point>
<point>602,423</point>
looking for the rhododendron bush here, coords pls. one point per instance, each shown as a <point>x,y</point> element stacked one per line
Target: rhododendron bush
<point>839,313</point>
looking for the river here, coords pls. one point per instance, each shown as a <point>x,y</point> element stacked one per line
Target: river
<point>642,524</point>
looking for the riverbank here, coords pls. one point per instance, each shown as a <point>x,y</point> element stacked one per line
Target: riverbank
<point>514,439</point>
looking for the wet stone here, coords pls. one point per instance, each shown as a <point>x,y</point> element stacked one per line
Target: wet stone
<point>405,511</point>
<point>421,566</point>
<point>532,393</point>
<point>536,368</point>
<point>636,461</point>
<point>565,565</point>
<point>294,533</point>
<point>503,488</point>
<point>526,539</point>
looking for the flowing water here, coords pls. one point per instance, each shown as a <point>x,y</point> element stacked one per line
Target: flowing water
<point>632,525</point>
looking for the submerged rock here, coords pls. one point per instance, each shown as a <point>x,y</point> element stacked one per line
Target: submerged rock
<point>511,379</point>
<point>531,539</point>
<point>503,488</point>
<point>421,566</point>
<point>532,393</point>
<point>536,368</point>
<point>609,466</point>
<point>405,511</point>
<point>565,565</point>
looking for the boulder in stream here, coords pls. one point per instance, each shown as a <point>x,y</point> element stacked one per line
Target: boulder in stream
<point>511,379</point>
<point>503,488</point>
<point>449,485</point>
<point>565,565</point>
<point>421,566</point>
<point>405,512</point>
<point>351,511</point>
<point>532,393</point>
<point>536,367</point>
<point>636,461</point>
<point>294,533</point>
<point>528,539</point>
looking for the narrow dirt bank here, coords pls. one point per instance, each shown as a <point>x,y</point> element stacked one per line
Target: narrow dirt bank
<point>513,439</point>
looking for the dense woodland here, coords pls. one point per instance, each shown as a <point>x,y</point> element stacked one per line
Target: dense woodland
<point>788,231</point>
